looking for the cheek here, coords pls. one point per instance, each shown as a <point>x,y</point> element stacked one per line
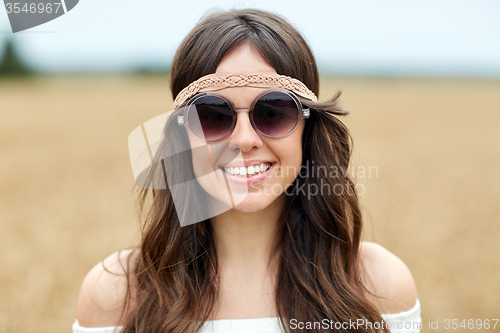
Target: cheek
<point>296,145</point>
<point>290,153</point>
<point>195,154</point>
<point>202,161</point>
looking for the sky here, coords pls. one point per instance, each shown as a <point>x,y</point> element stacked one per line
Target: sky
<point>348,37</point>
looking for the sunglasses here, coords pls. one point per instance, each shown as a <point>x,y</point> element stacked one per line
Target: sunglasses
<point>274,113</point>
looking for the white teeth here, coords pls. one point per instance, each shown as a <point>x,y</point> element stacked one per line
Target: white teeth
<point>251,170</point>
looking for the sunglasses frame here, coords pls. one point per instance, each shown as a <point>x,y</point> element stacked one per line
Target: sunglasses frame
<point>302,113</point>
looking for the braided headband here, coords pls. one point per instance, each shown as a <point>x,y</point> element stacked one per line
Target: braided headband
<point>214,82</point>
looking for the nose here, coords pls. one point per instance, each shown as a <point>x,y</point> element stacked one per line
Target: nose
<point>244,134</point>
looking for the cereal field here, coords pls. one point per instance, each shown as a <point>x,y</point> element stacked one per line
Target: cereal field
<point>432,198</point>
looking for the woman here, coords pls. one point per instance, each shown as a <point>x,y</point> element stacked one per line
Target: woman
<point>247,243</point>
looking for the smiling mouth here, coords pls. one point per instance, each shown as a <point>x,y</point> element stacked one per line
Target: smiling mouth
<point>246,172</point>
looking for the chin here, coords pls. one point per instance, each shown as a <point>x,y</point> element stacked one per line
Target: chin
<point>254,203</point>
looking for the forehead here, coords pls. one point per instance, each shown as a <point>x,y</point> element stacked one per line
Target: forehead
<point>244,73</point>
<point>243,59</point>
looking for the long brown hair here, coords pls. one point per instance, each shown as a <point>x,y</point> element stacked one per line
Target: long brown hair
<point>176,271</point>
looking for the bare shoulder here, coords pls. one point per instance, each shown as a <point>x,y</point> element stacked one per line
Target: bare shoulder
<point>104,291</point>
<point>387,276</point>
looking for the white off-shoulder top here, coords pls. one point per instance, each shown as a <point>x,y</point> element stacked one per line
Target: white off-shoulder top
<point>403,322</point>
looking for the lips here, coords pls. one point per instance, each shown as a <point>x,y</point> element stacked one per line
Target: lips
<point>247,171</point>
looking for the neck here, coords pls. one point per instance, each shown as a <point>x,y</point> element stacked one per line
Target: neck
<point>246,242</point>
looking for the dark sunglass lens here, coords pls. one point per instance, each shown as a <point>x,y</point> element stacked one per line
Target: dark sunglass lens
<point>210,118</point>
<point>275,114</point>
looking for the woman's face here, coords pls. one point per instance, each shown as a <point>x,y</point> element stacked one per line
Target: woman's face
<point>262,189</point>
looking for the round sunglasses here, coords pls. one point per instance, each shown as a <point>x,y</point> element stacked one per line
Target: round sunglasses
<point>274,113</point>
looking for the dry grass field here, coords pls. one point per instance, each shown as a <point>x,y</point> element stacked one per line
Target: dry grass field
<point>66,203</point>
